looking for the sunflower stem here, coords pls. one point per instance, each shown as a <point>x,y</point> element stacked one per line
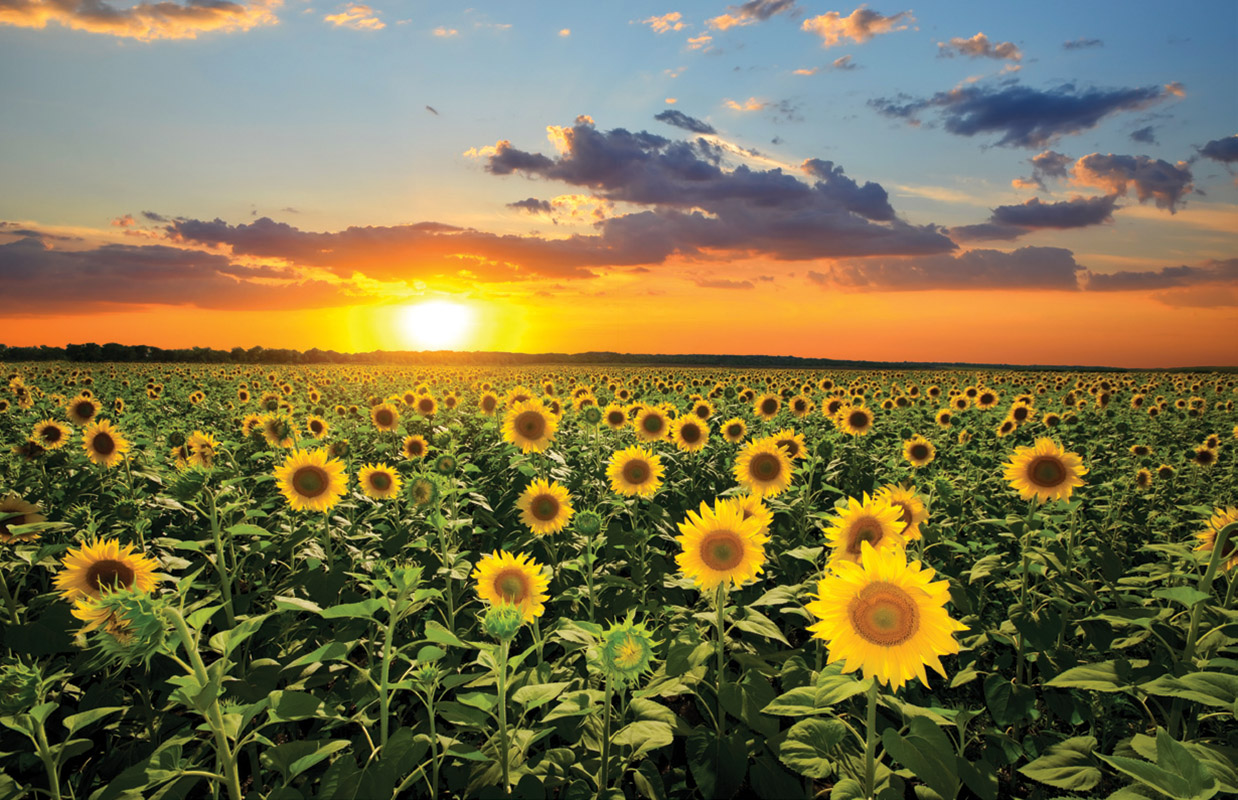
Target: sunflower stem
<point>384,689</point>
<point>604,772</point>
<point>1023,577</point>
<point>504,755</point>
<point>589,576</point>
<point>1229,593</point>
<point>11,604</point>
<point>1205,585</point>
<point>49,761</point>
<point>326,540</point>
<point>720,720</point>
<point>870,743</point>
<point>221,566</point>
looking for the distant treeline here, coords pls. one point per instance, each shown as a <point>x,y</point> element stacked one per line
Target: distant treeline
<point>141,353</point>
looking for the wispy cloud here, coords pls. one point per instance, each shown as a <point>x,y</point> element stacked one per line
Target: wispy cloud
<point>665,23</point>
<point>1082,44</point>
<point>751,104</point>
<point>979,46</point>
<point>143,21</point>
<point>358,17</point>
<point>445,33</point>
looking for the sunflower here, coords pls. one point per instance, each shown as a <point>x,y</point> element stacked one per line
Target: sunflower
<point>910,503</point>
<point>1143,478</point>
<point>102,565</point>
<point>516,579</point>
<point>919,451</point>
<point>690,433</point>
<point>754,508</point>
<point>317,427</point>
<point>488,403</point>
<point>874,520</point>
<point>385,417</point>
<point>986,399</point>
<point>379,481</point>
<point>545,507</point>
<point>1007,427</point>
<point>801,406</point>
<point>734,430</point>
<point>791,443</point>
<point>944,417</point>
<point>1044,471</point>
<point>652,424</point>
<point>1208,537</point>
<point>52,435</point>
<point>635,472</point>
<point>703,409</point>
<point>529,426</point>
<point>615,416</point>
<point>202,449</point>
<point>721,545</point>
<point>23,514</point>
<point>426,405</point>
<point>1204,456</point>
<point>277,430</point>
<point>885,616</point>
<point>311,481</point>
<point>82,409</point>
<point>855,420</point>
<point>1164,472</point>
<point>104,444</point>
<point>766,407</point>
<point>415,446</point>
<point>1021,413</point>
<point>763,468</point>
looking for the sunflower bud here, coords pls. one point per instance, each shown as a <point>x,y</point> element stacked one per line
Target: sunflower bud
<point>19,688</point>
<point>176,438</point>
<point>592,415</point>
<point>626,651</point>
<point>445,464</point>
<point>588,523</point>
<point>427,676</point>
<point>502,621</point>
<point>134,624</point>
<point>424,491</point>
<point>442,439</point>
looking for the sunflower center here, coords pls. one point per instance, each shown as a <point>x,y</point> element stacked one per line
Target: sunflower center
<point>735,431</point>
<point>636,472</point>
<point>791,446</point>
<point>765,467</point>
<point>1020,413</point>
<point>425,406</point>
<point>103,444</point>
<point>865,529</point>
<point>652,423</point>
<point>51,434</point>
<point>108,574</point>
<point>858,419</point>
<point>769,406</point>
<point>884,614</point>
<point>919,452</point>
<point>690,433</point>
<point>316,426</point>
<point>512,585</point>
<point>383,417</point>
<point>615,418</point>
<point>629,653</point>
<point>85,409</point>
<point>722,550</point>
<point>1046,471</point>
<point>531,424</point>
<point>380,481</point>
<point>545,507</point>
<point>310,481</point>
<point>702,412</point>
<point>488,403</point>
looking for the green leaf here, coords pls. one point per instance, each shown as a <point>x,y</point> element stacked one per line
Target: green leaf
<point>245,529</point>
<point>430,653</point>
<point>847,789</point>
<point>644,735</point>
<point>1066,765</point>
<point>801,702</point>
<point>324,751</point>
<point>435,632</point>
<point>538,694</point>
<point>1106,676</point>
<point>1186,595</point>
<point>364,609</point>
<point>290,705</point>
<point>1009,702</point>
<point>1209,688</point>
<point>757,623</point>
<point>649,781</point>
<point>1176,772</point>
<point>76,722</point>
<point>289,603</point>
<point>928,753</point>
<point>331,651</point>
<point>811,747</point>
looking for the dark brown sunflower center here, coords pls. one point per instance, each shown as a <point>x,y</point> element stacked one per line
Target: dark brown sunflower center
<point>488,403</point>
<point>316,426</point>
<point>653,424</point>
<point>1046,471</point>
<point>690,434</point>
<point>384,417</point>
<point>858,419</point>
<point>531,424</point>
<point>884,614</point>
<point>735,431</point>
<point>310,481</point>
<point>108,574</point>
<point>765,467</point>
<point>381,481</point>
<point>791,447</point>
<point>51,434</point>
<point>702,412</point>
<point>84,409</point>
<point>769,406</point>
<point>1204,456</point>
<point>722,550</point>
<point>987,399</point>
<point>919,452</point>
<point>414,448</point>
<point>1019,413</point>
<point>544,507</point>
<point>512,585</point>
<point>636,472</point>
<point>425,405</point>
<point>865,529</point>
<point>615,418</point>
<point>103,444</point>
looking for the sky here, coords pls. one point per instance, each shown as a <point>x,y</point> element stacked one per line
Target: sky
<point>1053,183</point>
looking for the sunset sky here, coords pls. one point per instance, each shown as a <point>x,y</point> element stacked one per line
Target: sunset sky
<point>993,182</point>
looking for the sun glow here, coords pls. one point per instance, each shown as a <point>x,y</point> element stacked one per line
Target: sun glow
<point>437,324</point>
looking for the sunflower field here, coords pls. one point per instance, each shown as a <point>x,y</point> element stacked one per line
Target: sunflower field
<point>340,582</point>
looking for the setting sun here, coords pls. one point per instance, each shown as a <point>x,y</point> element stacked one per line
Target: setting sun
<point>437,324</point>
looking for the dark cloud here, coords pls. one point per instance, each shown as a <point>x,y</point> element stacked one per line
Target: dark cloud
<point>1026,268</point>
<point>1223,271</point>
<point>1048,164</point>
<point>1080,44</point>
<point>1024,117</point>
<point>1144,135</point>
<point>44,280</point>
<point>1223,150</point>
<point>1010,222</point>
<point>696,205</point>
<point>978,46</point>
<point>153,217</point>
<point>1151,178</point>
<point>723,283</point>
<point>681,120</point>
<point>751,12</point>
<point>532,205</point>
<point>16,229</point>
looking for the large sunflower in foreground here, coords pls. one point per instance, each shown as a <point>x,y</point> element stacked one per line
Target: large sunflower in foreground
<point>530,426</point>
<point>104,444</point>
<point>50,434</point>
<point>379,481</point>
<point>635,472</point>
<point>545,507</point>
<point>874,521</point>
<point>23,514</point>
<point>516,579</point>
<point>721,545</point>
<point>1044,471</point>
<point>763,468</point>
<point>99,566</point>
<point>885,616</point>
<point>311,481</point>
<point>1208,537</point>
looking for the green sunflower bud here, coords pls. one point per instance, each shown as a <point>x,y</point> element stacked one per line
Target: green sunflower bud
<point>592,415</point>
<point>626,651</point>
<point>588,523</point>
<point>176,438</point>
<point>445,464</point>
<point>19,688</point>
<point>134,626</point>
<point>502,622</point>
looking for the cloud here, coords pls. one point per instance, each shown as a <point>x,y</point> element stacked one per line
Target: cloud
<point>1222,271</point>
<point>869,201</point>
<point>143,21</point>
<point>79,281</point>
<point>1199,297</point>
<point>1223,150</point>
<point>860,26</point>
<point>749,13</point>
<point>127,221</point>
<point>681,120</point>
<point>1080,44</point>
<point>1013,221</point>
<point>1144,135</point>
<point>723,283</point>
<point>842,63</point>
<point>806,71</point>
<point>751,104</point>
<point>153,217</point>
<point>532,205</point>
<point>1151,178</point>
<point>1025,268</point>
<point>665,23</point>
<point>978,46</point>
<point>358,17</point>
<point>700,42</point>
<point>1025,117</point>
<point>565,32</point>
<point>445,33</point>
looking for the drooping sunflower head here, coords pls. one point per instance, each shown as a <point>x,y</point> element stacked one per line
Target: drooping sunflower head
<point>1044,471</point>
<point>317,427</point>
<point>910,505</point>
<point>919,451</point>
<point>874,521</point>
<point>14,511</point>
<point>202,450</point>
<point>791,443</point>
<point>1208,537</point>
<point>104,444</point>
<point>690,433</point>
<point>50,434</point>
<point>884,616</point>
<point>1143,478</point>
<point>311,481</point>
<point>625,652</point>
<point>721,545</point>
<point>100,566</point>
<point>516,579</point>
<point>545,507</point>
<point>277,429</point>
<point>763,468</point>
<point>635,472</point>
<point>379,481</point>
<point>530,426</point>
<point>1204,456</point>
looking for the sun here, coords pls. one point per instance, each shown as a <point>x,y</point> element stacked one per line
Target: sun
<point>437,324</point>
